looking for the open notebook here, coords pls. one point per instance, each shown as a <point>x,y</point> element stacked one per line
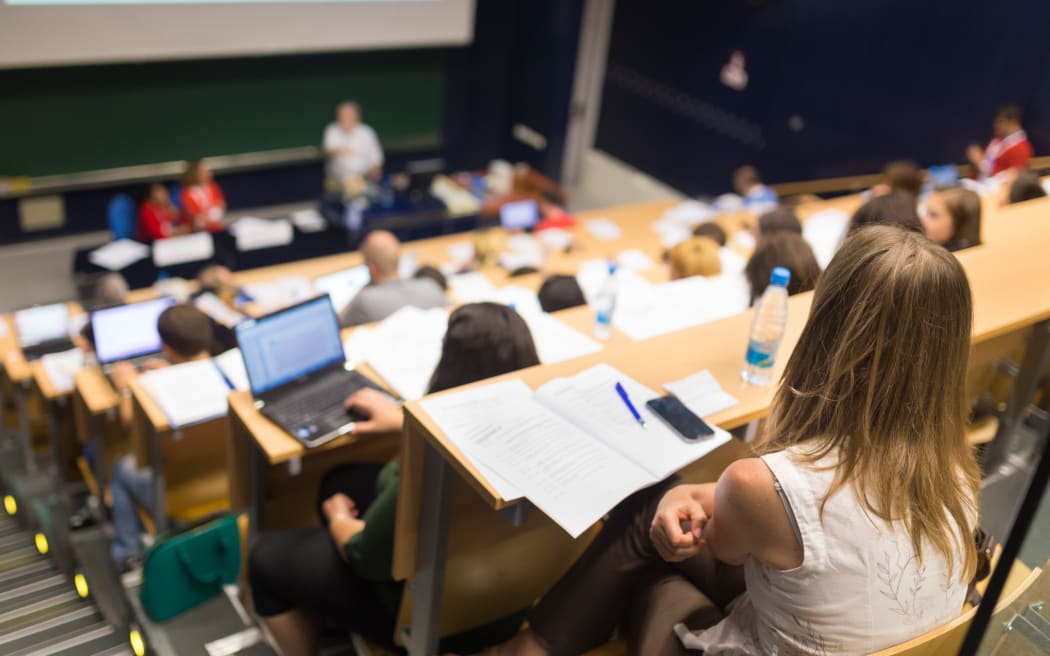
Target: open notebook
<point>195,392</point>
<point>571,447</point>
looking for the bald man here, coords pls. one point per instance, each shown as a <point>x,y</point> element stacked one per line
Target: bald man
<point>388,292</point>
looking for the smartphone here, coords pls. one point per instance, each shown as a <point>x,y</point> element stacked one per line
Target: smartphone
<point>680,418</point>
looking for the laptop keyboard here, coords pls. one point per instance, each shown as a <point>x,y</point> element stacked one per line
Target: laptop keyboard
<point>313,402</point>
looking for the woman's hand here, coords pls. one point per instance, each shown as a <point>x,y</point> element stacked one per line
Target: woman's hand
<point>339,505</point>
<point>672,539</point>
<point>383,414</point>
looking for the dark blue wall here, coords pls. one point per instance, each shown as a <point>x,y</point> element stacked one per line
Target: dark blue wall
<point>871,81</point>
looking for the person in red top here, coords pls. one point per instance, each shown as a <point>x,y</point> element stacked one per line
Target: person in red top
<point>1009,149</point>
<point>202,199</point>
<point>158,217</point>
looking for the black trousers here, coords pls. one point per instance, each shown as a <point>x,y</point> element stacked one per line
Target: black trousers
<point>303,568</point>
<point>621,582</point>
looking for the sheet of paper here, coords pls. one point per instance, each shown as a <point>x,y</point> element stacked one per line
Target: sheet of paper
<point>592,274</point>
<point>604,229</point>
<point>253,234</point>
<point>690,213</point>
<point>471,287</point>
<point>825,231</point>
<point>671,233</point>
<point>555,238</point>
<point>556,341</point>
<point>62,367</point>
<point>3,328</point>
<point>521,299</point>
<point>702,394</point>
<point>589,400</point>
<point>569,475</point>
<point>309,220</point>
<point>356,345</point>
<point>212,305</point>
<point>118,255</point>
<point>461,252</point>
<point>634,260</point>
<point>405,347</point>
<point>744,240</point>
<point>186,248</point>
<point>513,261</point>
<point>188,393</point>
<point>280,293</point>
<point>731,261</point>
<point>231,364</point>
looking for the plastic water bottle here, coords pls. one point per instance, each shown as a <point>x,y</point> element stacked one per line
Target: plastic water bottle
<point>604,305</point>
<point>767,329</point>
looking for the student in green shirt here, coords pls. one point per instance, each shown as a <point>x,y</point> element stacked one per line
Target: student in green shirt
<point>340,576</point>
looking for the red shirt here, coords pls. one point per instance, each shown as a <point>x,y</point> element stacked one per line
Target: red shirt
<point>157,221</point>
<point>1011,152</point>
<point>205,205</point>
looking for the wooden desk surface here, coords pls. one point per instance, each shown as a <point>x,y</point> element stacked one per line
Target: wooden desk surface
<point>149,407</point>
<point>42,380</point>
<point>96,391</point>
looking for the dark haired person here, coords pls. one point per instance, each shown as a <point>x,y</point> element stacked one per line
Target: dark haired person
<point>782,219</point>
<point>185,335</point>
<point>340,576</point>
<point>781,249</point>
<point>901,175</point>
<point>712,231</point>
<point>815,546</point>
<point>202,198</point>
<point>748,183</point>
<point>1025,186</point>
<point>432,273</point>
<point>158,216</point>
<point>953,218</point>
<point>1008,149</point>
<point>560,292</point>
<point>895,208</point>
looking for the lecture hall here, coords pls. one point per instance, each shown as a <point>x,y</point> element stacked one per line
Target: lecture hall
<point>524,328</point>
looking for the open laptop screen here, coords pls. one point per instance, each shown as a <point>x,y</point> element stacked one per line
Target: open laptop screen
<point>128,331</point>
<point>289,344</point>
<point>519,215</point>
<point>343,286</point>
<point>42,324</point>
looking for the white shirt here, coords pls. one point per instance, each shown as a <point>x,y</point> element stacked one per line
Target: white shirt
<point>366,152</point>
<point>860,587</point>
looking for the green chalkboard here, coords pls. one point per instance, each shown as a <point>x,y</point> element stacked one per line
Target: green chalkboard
<point>70,119</point>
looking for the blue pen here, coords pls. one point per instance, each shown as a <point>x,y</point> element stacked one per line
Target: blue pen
<point>630,406</point>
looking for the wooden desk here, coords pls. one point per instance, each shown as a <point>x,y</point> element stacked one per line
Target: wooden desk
<point>1008,279</point>
<point>96,412</point>
<point>64,449</point>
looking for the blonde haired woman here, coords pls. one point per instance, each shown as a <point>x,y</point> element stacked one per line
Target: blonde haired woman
<point>854,524</point>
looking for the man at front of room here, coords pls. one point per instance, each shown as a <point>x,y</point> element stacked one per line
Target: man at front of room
<point>351,147</point>
<point>1008,149</point>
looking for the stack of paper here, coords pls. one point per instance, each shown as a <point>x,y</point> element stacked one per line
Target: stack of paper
<point>253,233</point>
<point>634,260</point>
<point>555,341</point>
<point>403,349</point>
<point>186,248</point>
<point>472,287</point>
<point>62,367</point>
<point>188,393</point>
<point>231,364</point>
<point>825,231</point>
<point>309,220</point>
<point>701,393</point>
<point>280,293</point>
<point>572,447</point>
<point>212,305</point>
<point>118,255</point>
<point>604,229</point>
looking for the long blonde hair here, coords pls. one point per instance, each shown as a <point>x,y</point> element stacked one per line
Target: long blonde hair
<point>878,377</point>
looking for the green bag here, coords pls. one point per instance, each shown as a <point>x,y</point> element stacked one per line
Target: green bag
<point>183,571</point>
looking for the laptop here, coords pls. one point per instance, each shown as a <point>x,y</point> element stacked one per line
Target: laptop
<point>297,370</point>
<point>943,176</point>
<point>128,332</point>
<point>344,285</point>
<point>42,330</point>
<point>519,215</point>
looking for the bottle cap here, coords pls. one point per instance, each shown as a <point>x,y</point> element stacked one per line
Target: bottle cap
<point>612,267</point>
<point>781,277</point>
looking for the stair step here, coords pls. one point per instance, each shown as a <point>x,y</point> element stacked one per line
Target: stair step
<point>75,626</point>
<point>39,611</point>
<point>109,644</point>
<point>18,558</point>
<point>51,586</point>
<point>14,540</point>
<point>32,571</point>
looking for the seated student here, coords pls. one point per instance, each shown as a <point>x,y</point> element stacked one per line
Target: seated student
<point>158,216</point>
<point>902,175</point>
<point>339,576</point>
<point>560,292</point>
<point>783,249</point>
<point>202,199</point>
<point>1008,149</point>
<point>111,290</point>
<point>712,231</point>
<point>953,218</point>
<point>185,334</point>
<point>853,526</point>
<point>894,208</point>
<point>782,219</point>
<point>1025,186</point>
<point>748,183</point>
<point>696,256</point>
<point>388,293</point>
<point>433,273</point>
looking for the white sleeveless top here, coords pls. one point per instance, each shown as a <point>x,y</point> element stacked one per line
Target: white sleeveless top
<point>860,587</point>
